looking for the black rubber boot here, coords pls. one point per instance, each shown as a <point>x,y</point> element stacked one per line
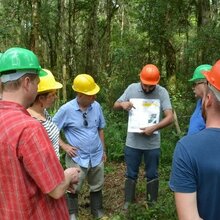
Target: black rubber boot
<point>130,186</point>
<point>96,204</point>
<point>72,203</point>
<point>152,191</point>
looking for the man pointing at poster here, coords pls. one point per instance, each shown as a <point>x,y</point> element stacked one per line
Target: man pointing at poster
<point>145,142</point>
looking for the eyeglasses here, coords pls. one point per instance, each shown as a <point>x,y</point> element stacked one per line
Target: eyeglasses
<point>197,83</point>
<point>85,122</point>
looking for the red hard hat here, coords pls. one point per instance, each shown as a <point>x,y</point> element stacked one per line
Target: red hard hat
<point>213,75</point>
<point>150,75</point>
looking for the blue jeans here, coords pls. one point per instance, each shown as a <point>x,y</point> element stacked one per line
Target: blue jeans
<point>133,159</point>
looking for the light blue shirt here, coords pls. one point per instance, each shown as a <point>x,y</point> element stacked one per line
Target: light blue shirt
<point>86,139</point>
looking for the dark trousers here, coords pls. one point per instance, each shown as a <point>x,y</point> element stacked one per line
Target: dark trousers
<point>133,158</point>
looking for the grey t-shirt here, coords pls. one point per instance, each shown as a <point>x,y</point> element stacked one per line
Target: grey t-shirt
<point>138,140</point>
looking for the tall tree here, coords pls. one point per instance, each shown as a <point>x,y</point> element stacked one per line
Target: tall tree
<point>91,41</point>
<point>35,43</point>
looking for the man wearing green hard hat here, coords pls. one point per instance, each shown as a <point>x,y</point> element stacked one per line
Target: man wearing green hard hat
<point>16,62</point>
<point>32,180</point>
<point>197,122</point>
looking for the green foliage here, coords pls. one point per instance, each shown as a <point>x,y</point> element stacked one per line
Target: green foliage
<point>169,138</point>
<point>115,133</point>
<point>183,105</point>
<point>162,210</point>
<point>137,33</point>
<point>165,207</point>
<point>205,44</point>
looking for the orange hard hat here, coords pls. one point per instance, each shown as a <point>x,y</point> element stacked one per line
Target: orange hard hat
<point>213,75</point>
<point>150,75</point>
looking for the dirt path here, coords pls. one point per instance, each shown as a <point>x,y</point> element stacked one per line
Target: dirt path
<point>113,193</point>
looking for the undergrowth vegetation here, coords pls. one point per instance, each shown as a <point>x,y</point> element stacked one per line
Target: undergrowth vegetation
<point>115,135</point>
<point>164,209</point>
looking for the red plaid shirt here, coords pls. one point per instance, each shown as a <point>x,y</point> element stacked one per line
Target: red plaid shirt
<point>29,168</point>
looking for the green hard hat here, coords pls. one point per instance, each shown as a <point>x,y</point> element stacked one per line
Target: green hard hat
<point>18,59</point>
<point>198,73</point>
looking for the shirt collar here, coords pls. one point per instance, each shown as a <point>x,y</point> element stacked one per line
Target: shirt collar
<point>12,105</point>
<point>76,105</point>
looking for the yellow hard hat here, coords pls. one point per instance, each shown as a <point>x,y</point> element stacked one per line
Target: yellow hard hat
<point>85,84</point>
<point>48,82</point>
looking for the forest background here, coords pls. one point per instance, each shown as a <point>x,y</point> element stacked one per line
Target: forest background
<point>112,40</point>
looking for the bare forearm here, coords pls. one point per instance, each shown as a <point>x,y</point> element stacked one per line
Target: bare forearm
<point>165,122</point>
<point>60,190</point>
<point>127,105</point>
<point>117,106</point>
<point>70,150</point>
<point>186,205</point>
<point>71,176</point>
<point>62,144</point>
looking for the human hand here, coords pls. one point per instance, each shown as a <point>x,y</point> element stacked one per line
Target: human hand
<point>72,175</point>
<point>148,130</point>
<point>104,157</point>
<point>71,189</point>
<point>127,106</point>
<point>70,150</point>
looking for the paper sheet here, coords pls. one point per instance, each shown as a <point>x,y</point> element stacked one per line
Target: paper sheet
<point>146,112</point>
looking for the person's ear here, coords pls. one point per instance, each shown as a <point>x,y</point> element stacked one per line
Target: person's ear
<point>209,99</point>
<point>25,83</point>
<point>42,98</point>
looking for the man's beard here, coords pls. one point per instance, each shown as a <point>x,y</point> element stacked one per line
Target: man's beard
<point>148,92</point>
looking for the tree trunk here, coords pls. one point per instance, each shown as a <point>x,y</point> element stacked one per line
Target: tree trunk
<point>203,18</point>
<point>35,35</point>
<point>92,59</point>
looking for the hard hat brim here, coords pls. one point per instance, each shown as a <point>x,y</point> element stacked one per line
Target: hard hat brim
<point>206,74</point>
<point>196,79</point>
<point>42,73</point>
<point>146,82</point>
<point>56,86</point>
<point>209,78</point>
<point>16,75</point>
<point>91,92</point>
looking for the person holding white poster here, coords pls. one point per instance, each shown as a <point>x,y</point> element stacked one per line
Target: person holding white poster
<point>149,110</point>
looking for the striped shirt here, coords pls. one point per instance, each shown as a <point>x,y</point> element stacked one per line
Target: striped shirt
<point>52,131</point>
<point>29,168</point>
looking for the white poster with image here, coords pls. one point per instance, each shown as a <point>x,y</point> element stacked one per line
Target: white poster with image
<point>145,113</point>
